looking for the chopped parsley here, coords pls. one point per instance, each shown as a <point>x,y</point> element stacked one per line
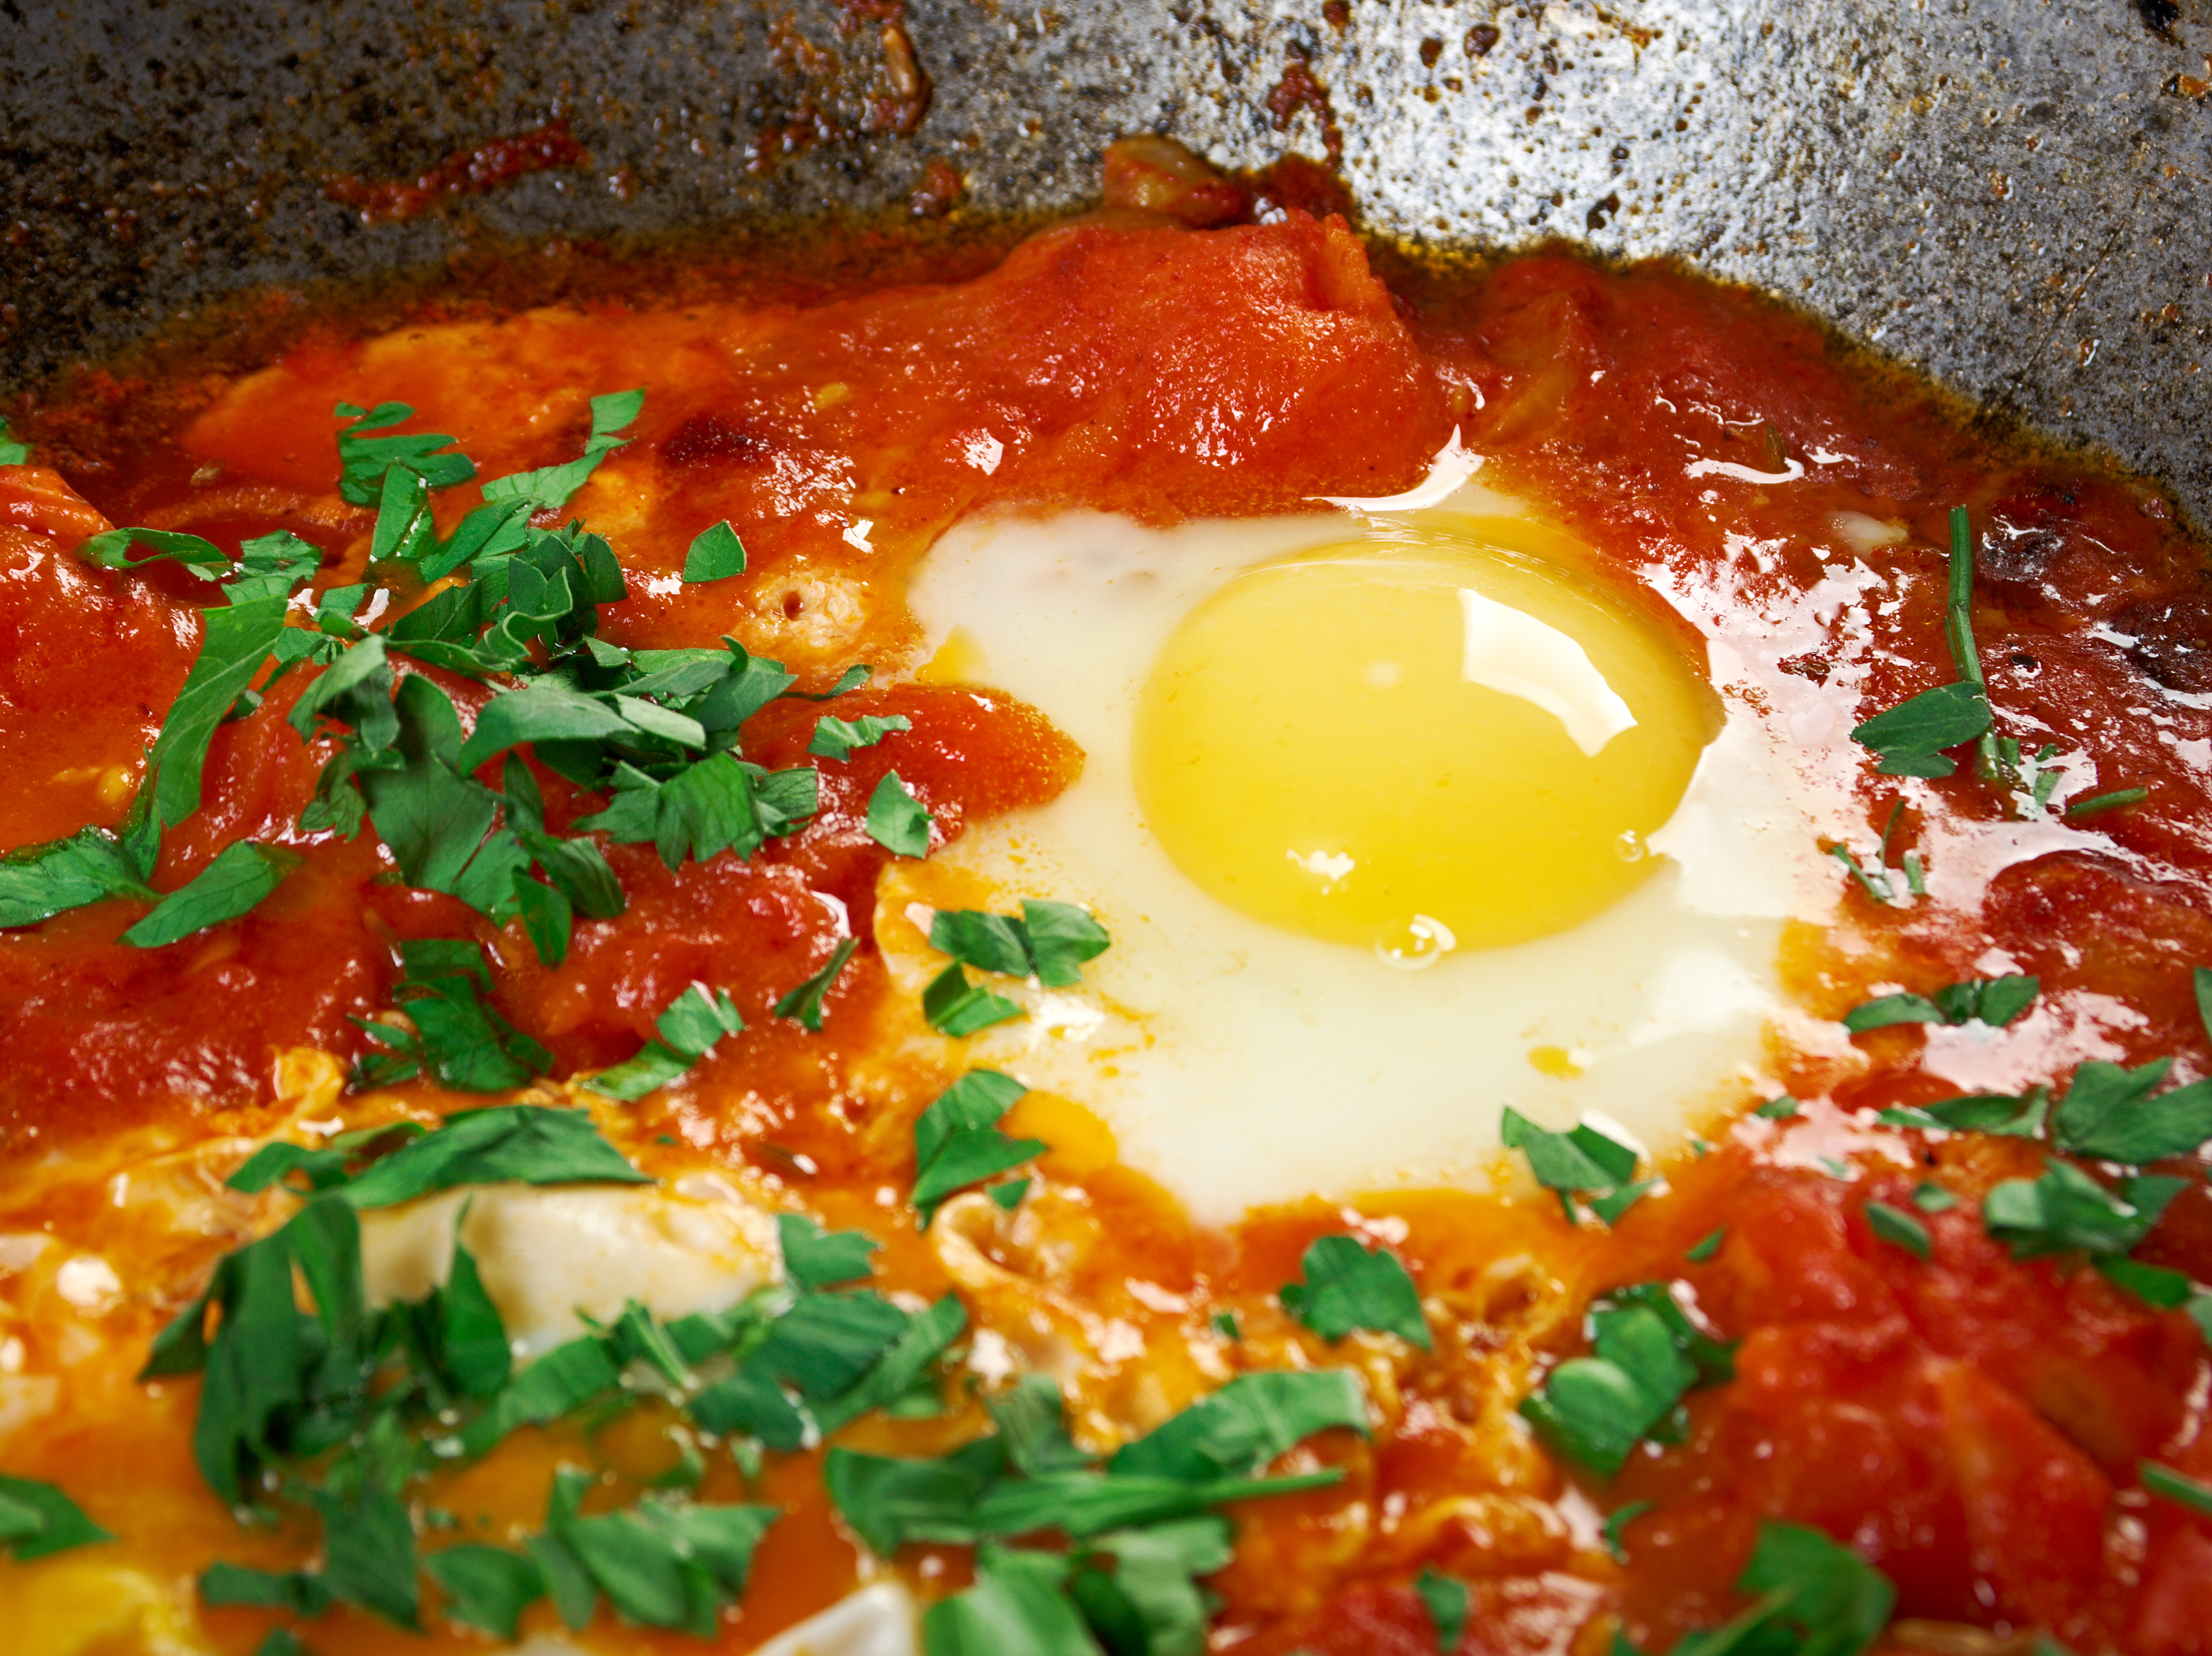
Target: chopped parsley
<point>383,1166</point>
<point>12,453</point>
<point>716,553</point>
<point>1446,1599</point>
<point>323,1404</point>
<point>897,820</point>
<point>241,875</point>
<point>1931,1198</point>
<point>1026,1476</point>
<point>1909,737</point>
<point>1586,1160</point>
<point>803,1004</point>
<point>1616,1527</point>
<point>1706,1245</point>
<point>1646,1356</point>
<point>690,1027</point>
<point>1809,1597</point>
<point>453,1035</point>
<point>2066,1211</point>
<point>956,1007</point>
<point>1049,942</point>
<point>1895,1226</point>
<point>37,1518</point>
<point>2003,1115</point>
<point>1349,1287</point>
<point>817,1259</point>
<point>957,1143</point>
<point>1992,1001</point>
<point>835,737</point>
<point>2114,1114</point>
<point>656,731</point>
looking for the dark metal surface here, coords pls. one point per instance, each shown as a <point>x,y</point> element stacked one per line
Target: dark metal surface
<point>2017,194</point>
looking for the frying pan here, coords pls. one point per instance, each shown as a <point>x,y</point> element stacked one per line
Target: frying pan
<point>2014,194</point>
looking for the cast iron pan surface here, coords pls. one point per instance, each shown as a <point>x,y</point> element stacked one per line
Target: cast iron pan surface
<point>2015,195</point>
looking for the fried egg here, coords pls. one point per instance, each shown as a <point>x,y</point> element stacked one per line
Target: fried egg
<point>1396,819</point>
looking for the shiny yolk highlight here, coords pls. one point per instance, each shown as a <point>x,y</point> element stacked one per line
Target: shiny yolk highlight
<point>1443,743</point>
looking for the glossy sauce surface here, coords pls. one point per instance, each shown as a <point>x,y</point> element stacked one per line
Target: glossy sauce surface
<point>1971,1423</point>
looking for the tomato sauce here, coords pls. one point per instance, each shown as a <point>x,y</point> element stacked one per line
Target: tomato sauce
<point>1971,1423</point>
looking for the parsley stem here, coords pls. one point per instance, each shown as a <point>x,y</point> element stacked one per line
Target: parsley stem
<point>1959,631</point>
<point>2102,802</point>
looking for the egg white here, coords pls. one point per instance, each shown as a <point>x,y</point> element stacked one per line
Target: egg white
<point>1243,1065</point>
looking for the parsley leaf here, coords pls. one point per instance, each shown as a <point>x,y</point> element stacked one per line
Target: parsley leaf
<point>2001,1115</point>
<point>2110,1113</point>
<point>817,1259</point>
<point>1196,1460</point>
<point>1445,1598</point>
<point>236,641</point>
<point>803,1004</point>
<point>1994,1001</point>
<point>111,550</point>
<point>1016,1605</point>
<point>241,875</point>
<point>458,1037</point>
<point>897,820</point>
<point>37,1518</point>
<point>2155,1285</point>
<point>12,453</point>
<point>1049,942</point>
<point>1895,1225</point>
<point>1236,1430</point>
<point>957,1141</point>
<point>958,1008</point>
<point>363,459</point>
<point>663,1564</point>
<point>2066,1209</point>
<point>1150,1600</point>
<point>991,943</point>
<point>1616,1527</point>
<point>1584,1158</point>
<point>836,738</point>
<point>525,1143</point>
<point>1833,1601</point>
<point>690,1028</point>
<point>1347,1287</point>
<point>716,553</point>
<point>1646,1355</point>
<point>1909,737</point>
<point>485,1587</point>
<point>39,881</point>
<point>613,412</point>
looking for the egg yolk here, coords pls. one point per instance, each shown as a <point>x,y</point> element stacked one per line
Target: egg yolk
<point>1443,743</point>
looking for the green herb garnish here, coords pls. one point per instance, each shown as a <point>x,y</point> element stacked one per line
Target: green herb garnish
<point>37,1518</point>
<point>897,820</point>
<point>957,1143</point>
<point>958,1008</point>
<point>1348,1287</point>
<point>1993,1001</point>
<point>1446,1599</point>
<point>689,1029</point>
<point>1050,941</point>
<point>1646,1355</point>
